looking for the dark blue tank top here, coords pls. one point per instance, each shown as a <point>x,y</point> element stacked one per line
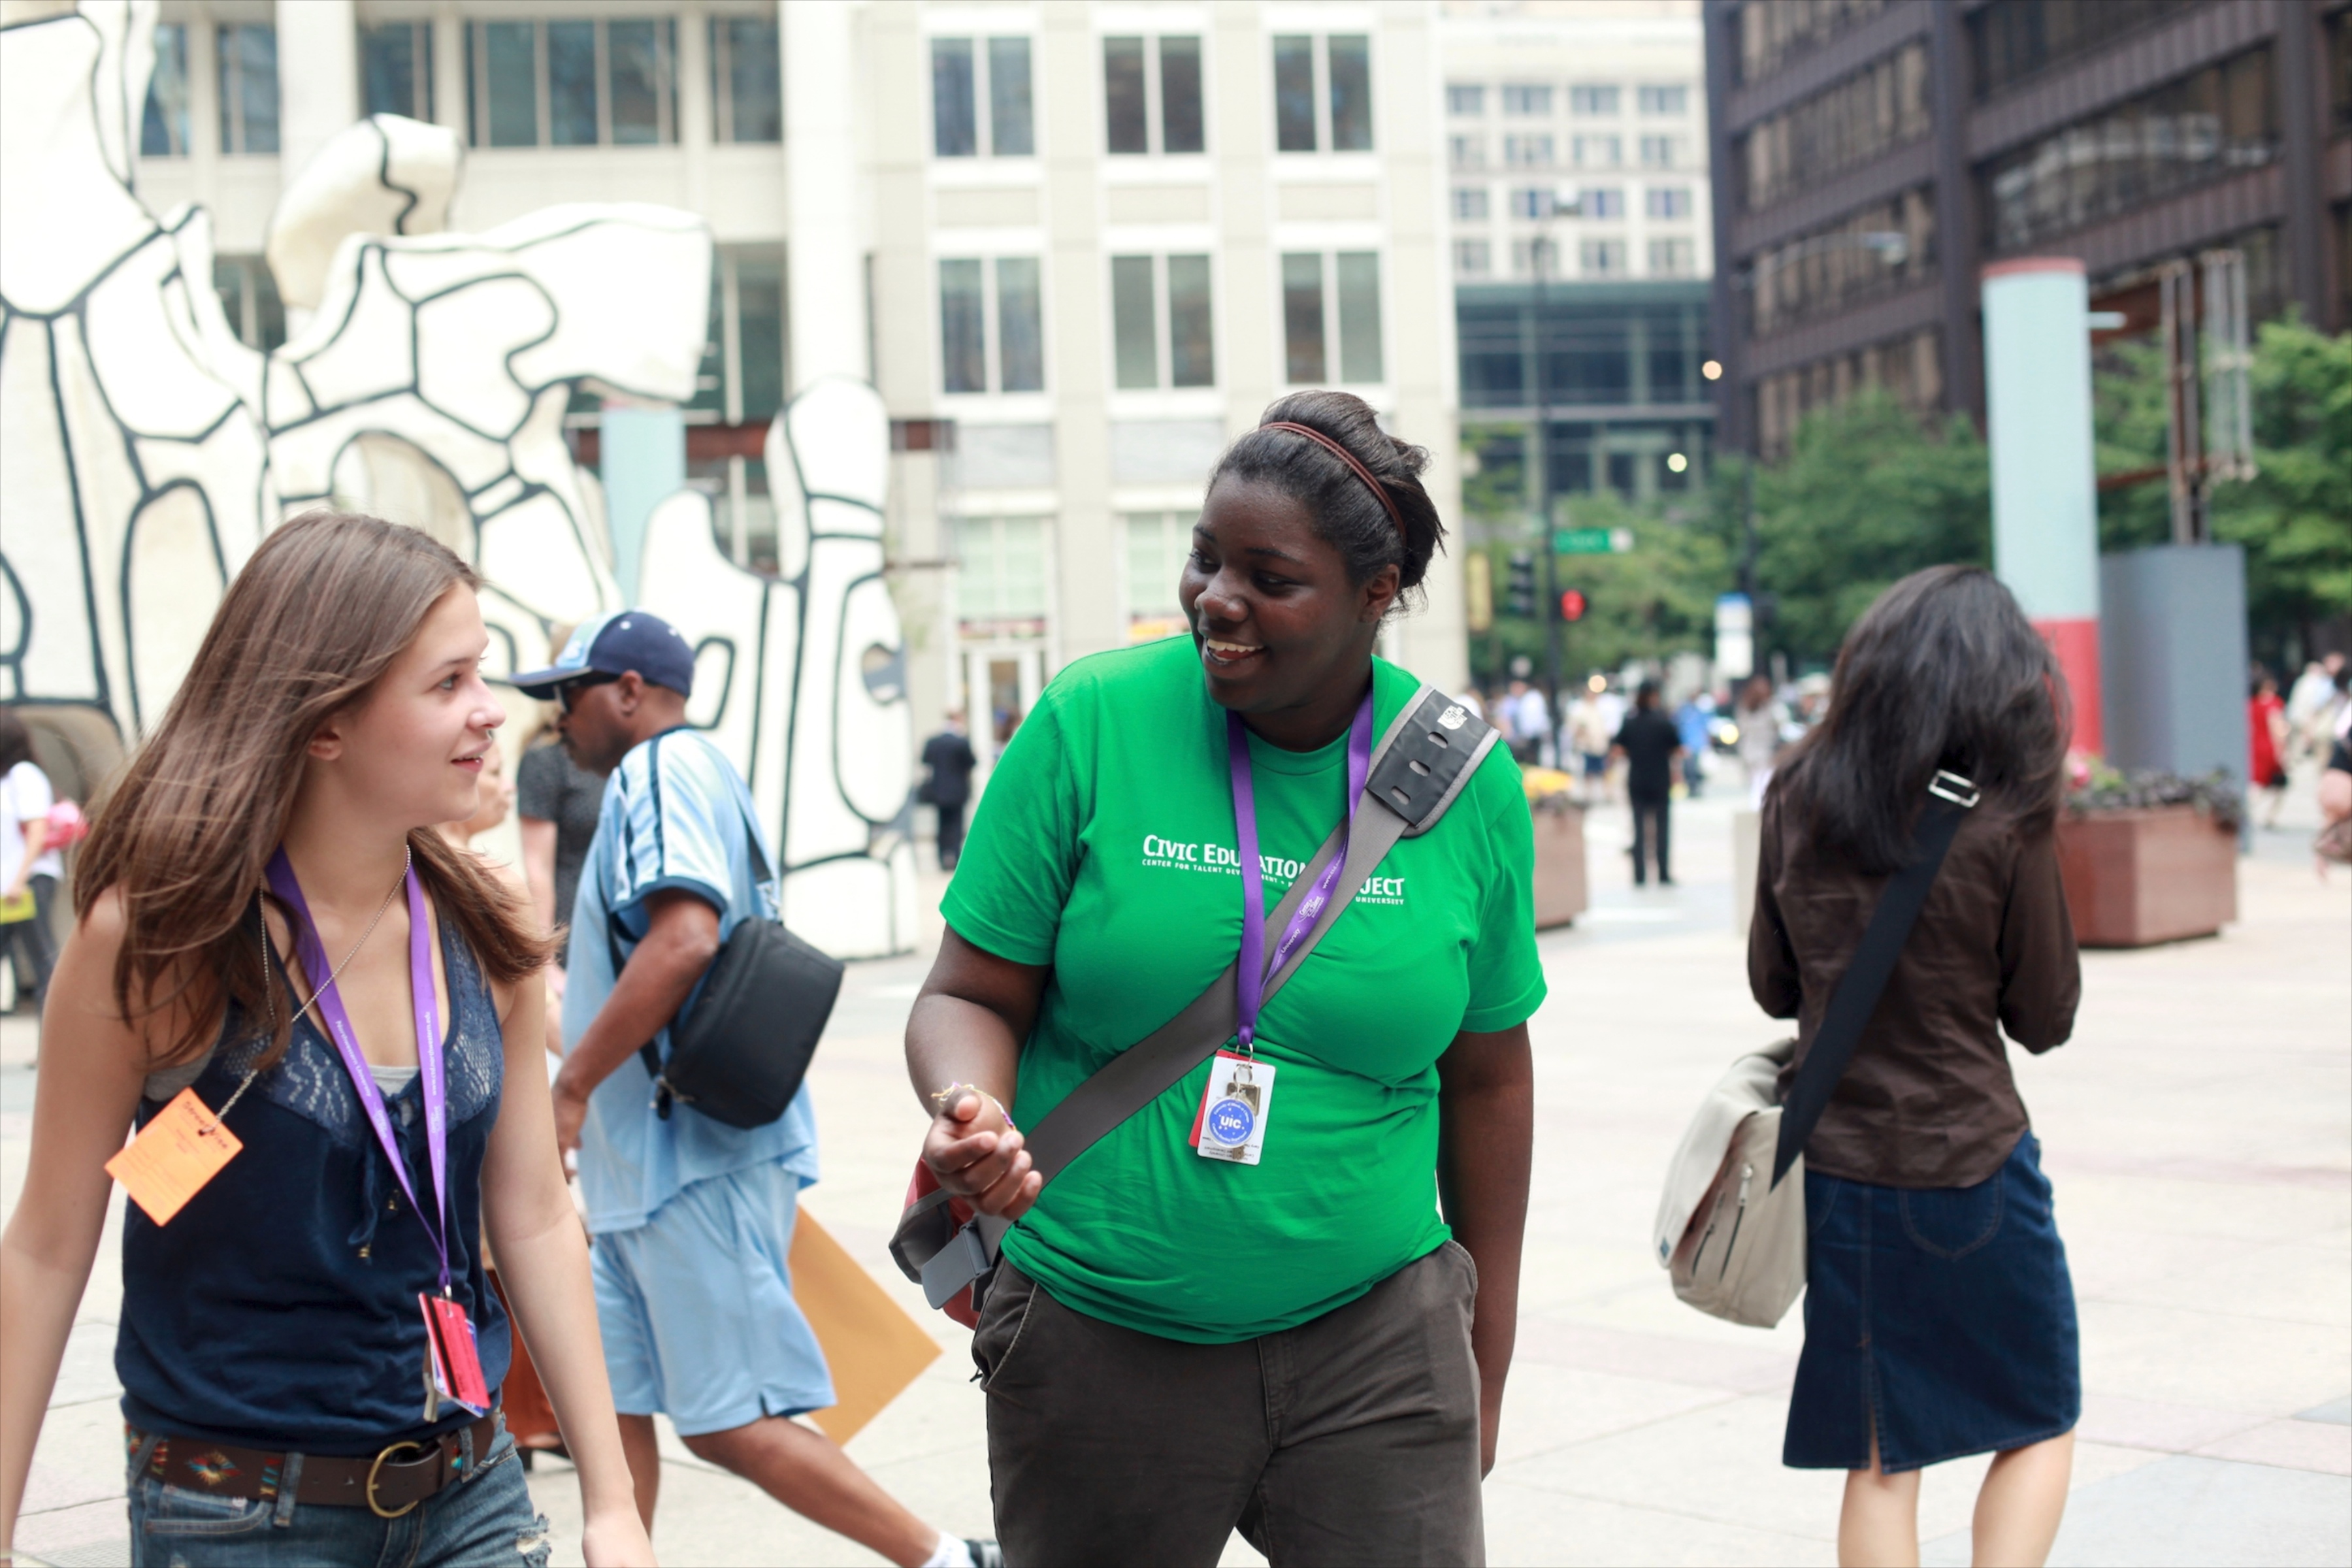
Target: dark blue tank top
<point>278,1308</point>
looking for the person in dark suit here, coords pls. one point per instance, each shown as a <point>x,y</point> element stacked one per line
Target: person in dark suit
<point>1651,746</point>
<point>948,756</point>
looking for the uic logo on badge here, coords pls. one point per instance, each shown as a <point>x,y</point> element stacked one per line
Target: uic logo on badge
<point>1230,1121</point>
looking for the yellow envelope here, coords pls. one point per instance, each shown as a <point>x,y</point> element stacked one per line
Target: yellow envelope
<point>874,1348</point>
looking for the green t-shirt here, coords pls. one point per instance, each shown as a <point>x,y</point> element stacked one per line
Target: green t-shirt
<point>1104,847</point>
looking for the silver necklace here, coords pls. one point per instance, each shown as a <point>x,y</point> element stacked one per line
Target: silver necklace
<point>269,991</point>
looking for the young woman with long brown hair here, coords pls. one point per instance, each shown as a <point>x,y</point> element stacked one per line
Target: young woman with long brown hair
<point>247,989</point>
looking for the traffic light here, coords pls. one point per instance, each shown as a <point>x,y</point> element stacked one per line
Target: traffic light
<point>1572,603</point>
<point>1519,595</point>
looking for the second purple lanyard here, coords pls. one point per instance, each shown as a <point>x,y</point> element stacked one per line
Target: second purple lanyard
<point>1254,968</point>
<point>432,1072</point>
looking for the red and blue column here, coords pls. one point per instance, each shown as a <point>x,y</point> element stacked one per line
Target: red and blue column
<point>2046,500</point>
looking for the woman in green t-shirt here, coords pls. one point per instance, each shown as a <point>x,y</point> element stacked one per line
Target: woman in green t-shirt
<point>1305,1333</point>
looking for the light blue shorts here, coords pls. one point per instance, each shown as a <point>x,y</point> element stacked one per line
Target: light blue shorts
<point>697,1312</point>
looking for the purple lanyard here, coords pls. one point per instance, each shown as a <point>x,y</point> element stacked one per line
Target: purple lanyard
<point>432,1073</point>
<point>1254,969</point>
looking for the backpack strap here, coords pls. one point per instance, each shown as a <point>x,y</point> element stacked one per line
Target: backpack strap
<point>1424,760</point>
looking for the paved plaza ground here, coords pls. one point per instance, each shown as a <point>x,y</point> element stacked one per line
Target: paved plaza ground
<point>2197,1130</point>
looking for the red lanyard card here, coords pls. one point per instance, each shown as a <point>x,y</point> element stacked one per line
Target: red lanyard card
<point>457,1361</point>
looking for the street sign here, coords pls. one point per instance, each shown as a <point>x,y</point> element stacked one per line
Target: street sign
<point>1591,541</point>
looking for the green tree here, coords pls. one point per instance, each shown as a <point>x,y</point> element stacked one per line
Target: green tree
<point>2294,519</point>
<point>1867,495</point>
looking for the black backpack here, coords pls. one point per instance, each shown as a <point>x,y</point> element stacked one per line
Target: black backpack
<point>740,1046</point>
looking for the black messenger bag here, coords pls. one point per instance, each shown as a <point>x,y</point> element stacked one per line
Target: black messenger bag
<point>738,1051</point>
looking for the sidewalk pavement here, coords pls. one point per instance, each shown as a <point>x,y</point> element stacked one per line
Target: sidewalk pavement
<point>2198,1131</point>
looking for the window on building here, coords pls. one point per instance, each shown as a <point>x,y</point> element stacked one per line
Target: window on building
<point>1533,99</point>
<point>1470,203</point>
<point>1327,298</point>
<point>992,325</point>
<point>2217,121</point>
<point>1910,368</point>
<point>1602,257</point>
<point>248,88</point>
<point>573,82</point>
<point>1533,203</point>
<point>1000,580</point>
<point>967,78</point>
<point>1877,109</point>
<point>249,297</point>
<point>1600,152</point>
<point>1872,250</point>
<point>1673,259</point>
<point>1527,151</point>
<point>1466,152</point>
<point>1156,543</point>
<point>1137,99</point>
<point>1667,200</point>
<point>1473,259</point>
<point>746,80</point>
<point>396,69</point>
<point>1773,36</point>
<point>1662,99</point>
<point>1338,117</point>
<point>1535,258</point>
<point>163,125</point>
<point>1592,101</point>
<point>1603,200</point>
<point>2013,41</point>
<point>2339,85</point>
<point>1660,152</point>
<point>1162,330</point>
<point>1466,98</point>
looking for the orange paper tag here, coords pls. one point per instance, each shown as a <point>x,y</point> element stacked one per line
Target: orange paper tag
<point>173,1156</point>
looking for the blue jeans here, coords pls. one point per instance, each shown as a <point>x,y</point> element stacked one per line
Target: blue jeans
<point>488,1520</point>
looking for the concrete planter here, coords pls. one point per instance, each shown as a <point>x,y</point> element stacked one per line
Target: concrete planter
<point>1561,890</point>
<point>2143,875</point>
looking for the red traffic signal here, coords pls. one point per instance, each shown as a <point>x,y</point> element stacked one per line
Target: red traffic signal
<point>1572,604</point>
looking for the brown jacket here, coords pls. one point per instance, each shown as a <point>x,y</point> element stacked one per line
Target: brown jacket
<point>1927,1100</point>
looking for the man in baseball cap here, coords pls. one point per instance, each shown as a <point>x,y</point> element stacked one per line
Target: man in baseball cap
<point>623,679</point>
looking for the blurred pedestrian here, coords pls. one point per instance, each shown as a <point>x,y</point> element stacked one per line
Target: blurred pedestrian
<point>2335,841</point>
<point>1939,1314</point>
<point>1589,733</point>
<point>2266,736</point>
<point>1758,717</point>
<point>1693,723</point>
<point>1651,746</point>
<point>29,868</point>
<point>1529,720</point>
<point>558,801</point>
<point>947,787</point>
<point>692,1218</point>
<point>1174,1346</point>
<point>309,1354</point>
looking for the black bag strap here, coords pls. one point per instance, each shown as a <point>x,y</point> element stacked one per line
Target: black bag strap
<point>1424,760</point>
<point>1950,796</point>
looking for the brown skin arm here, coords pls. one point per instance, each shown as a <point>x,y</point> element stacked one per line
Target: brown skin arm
<point>1486,1109</point>
<point>678,946</point>
<point>974,1011</point>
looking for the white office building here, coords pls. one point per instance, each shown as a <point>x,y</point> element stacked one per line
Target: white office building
<point>1077,247</point>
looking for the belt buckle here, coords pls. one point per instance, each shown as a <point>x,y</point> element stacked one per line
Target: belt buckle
<point>373,1507</point>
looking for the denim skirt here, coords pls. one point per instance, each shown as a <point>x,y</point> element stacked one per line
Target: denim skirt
<point>1941,1316</point>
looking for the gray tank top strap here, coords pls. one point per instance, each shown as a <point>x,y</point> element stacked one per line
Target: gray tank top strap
<point>165,1083</point>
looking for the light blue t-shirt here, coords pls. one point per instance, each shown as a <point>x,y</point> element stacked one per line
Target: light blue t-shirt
<point>692,827</point>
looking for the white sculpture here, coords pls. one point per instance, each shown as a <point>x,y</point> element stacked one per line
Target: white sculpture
<point>144,449</point>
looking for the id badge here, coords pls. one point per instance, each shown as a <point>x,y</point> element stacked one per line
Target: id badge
<point>455,1360</point>
<point>1231,1123</point>
<point>183,1147</point>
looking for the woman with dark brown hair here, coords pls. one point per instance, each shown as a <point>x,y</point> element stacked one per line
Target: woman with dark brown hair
<point>1939,1315</point>
<point>337,1091</point>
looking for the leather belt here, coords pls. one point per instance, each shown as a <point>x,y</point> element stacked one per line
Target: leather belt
<point>390,1483</point>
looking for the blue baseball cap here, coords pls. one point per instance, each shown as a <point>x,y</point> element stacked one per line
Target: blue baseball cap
<point>615,644</point>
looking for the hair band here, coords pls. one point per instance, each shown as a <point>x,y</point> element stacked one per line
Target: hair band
<point>1388,502</point>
